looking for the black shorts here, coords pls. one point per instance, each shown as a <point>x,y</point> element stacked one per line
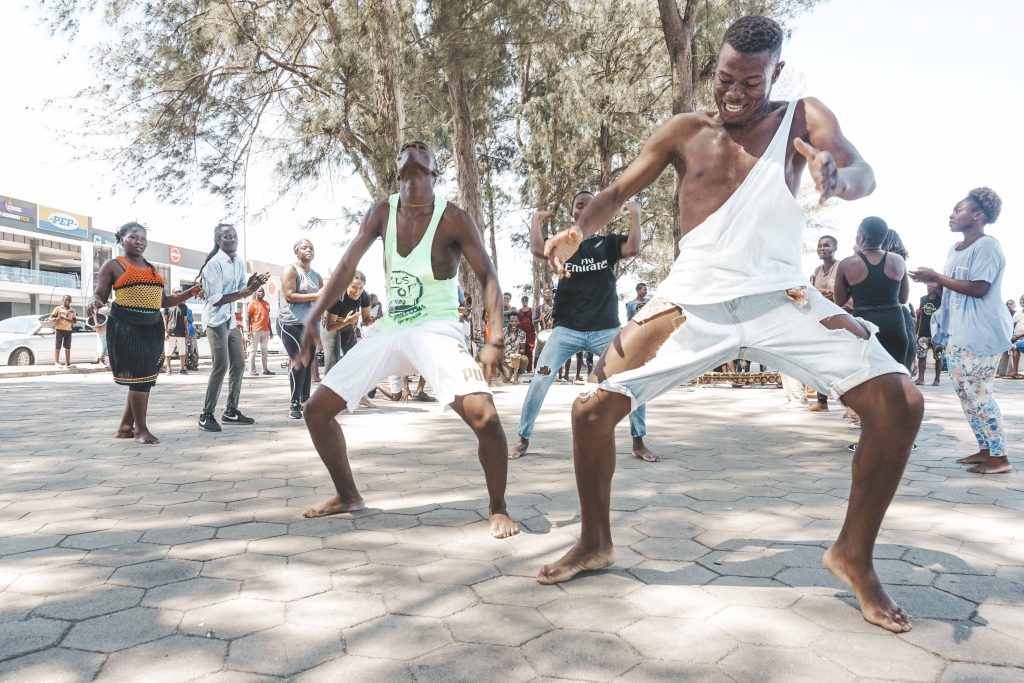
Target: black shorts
<point>63,338</point>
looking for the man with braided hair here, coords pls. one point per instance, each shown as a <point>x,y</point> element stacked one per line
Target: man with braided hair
<point>737,291</point>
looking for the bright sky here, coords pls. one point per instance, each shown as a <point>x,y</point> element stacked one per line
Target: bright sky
<point>920,87</point>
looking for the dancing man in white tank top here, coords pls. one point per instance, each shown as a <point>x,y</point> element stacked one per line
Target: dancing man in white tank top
<point>736,291</point>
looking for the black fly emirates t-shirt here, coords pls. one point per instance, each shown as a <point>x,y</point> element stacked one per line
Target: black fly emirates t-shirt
<point>587,301</point>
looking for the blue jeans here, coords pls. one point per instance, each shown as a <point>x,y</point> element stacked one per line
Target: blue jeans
<point>560,347</point>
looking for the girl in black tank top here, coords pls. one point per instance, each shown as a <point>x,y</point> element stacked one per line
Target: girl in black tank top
<point>876,298</point>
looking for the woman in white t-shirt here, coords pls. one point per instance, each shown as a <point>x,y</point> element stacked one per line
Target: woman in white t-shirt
<point>973,325</point>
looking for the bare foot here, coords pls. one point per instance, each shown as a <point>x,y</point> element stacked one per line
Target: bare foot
<point>519,450</point>
<point>146,436</point>
<point>919,383</point>
<point>334,507</point>
<point>502,525</point>
<point>818,408</point>
<point>875,604</point>
<point>644,453</point>
<point>974,458</point>
<point>935,383</point>
<point>992,465</point>
<point>578,559</point>
<point>125,432</point>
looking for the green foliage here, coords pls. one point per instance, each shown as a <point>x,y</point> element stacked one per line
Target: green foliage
<point>558,96</point>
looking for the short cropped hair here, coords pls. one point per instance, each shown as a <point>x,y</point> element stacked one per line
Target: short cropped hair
<point>988,201</point>
<point>755,34</point>
<point>874,230</point>
<point>830,238</point>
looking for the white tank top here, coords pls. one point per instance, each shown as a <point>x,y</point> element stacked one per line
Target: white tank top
<point>751,244</point>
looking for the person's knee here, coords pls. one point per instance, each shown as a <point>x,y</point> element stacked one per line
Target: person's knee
<point>318,411</point>
<point>597,409</point>
<point>482,416</point>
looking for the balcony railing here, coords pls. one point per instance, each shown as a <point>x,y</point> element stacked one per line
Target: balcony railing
<point>39,277</point>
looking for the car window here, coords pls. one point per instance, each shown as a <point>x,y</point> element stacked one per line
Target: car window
<point>81,326</point>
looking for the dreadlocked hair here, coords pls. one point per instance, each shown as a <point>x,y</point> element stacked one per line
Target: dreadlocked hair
<point>988,201</point>
<point>213,252</point>
<point>755,34</point>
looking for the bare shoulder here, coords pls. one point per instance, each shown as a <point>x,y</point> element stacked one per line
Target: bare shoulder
<point>817,114</point>
<point>377,216</point>
<point>457,220</point>
<point>684,127</point>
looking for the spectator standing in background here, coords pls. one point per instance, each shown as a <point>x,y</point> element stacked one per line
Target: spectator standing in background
<point>257,322</point>
<point>65,316</point>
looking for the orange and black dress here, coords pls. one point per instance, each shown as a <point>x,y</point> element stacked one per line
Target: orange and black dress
<point>135,331</point>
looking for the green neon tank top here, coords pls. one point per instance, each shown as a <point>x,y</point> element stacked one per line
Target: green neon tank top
<point>414,295</point>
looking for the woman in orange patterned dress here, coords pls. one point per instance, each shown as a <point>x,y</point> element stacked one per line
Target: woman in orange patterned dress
<point>135,328</point>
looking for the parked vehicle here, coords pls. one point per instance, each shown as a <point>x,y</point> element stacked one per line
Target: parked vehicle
<point>29,340</point>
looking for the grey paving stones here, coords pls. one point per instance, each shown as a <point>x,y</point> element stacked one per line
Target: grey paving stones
<point>335,609</point>
<point>28,635</point>
<point>190,560</point>
<point>54,665</point>
<point>580,655</point>
<point>90,602</point>
<point>498,624</point>
<point>156,573</point>
<point>473,662</point>
<point>119,630</point>
<point>396,637</point>
<point>285,650</point>
<point>170,659</point>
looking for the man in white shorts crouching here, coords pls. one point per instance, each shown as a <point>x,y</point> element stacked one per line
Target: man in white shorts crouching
<point>424,238</point>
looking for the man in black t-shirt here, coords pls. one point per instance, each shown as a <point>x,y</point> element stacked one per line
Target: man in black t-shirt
<point>176,335</point>
<point>929,304</point>
<point>585,315</point>
<point>338,335</point>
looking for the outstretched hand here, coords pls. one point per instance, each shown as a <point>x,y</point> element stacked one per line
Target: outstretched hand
<point>490,358</point>
<point>823,168</point>
<point>926,275</point>
<point>560,247</point>
<point>257,280</point>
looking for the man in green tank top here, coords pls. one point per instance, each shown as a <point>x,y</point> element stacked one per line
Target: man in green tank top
<point>424,239</point>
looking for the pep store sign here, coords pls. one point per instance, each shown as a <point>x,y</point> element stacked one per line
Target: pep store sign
<point>63,222</point>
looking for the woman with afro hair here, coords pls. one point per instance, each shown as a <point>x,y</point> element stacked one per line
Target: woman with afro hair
<point>973,325</point>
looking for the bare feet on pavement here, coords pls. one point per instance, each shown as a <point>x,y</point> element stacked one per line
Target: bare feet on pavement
<point>875,604</point>
<point>519,450</point>
<point>146,436</point>
<point>991,465</point>
<point>817,408</point>
<point>578,559</point>
<point>640,450</point>
<point>335,507</point>
<point>974,458</point>
<point>502,525</point>
<point>125,432</point>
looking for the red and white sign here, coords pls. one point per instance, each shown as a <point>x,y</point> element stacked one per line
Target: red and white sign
<point>175,255</point>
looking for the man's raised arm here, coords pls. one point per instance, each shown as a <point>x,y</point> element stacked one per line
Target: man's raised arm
<point>656,154</point>
<point>834,163</point>
<point>369,230</point>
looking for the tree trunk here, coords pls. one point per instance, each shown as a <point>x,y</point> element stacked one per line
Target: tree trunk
<point>678,29</point>
<point>382,24</point>
<point>468,177</point>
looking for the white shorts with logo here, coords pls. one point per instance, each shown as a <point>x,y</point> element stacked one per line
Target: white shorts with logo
<point>781,332</point>
<point>435,349</point>
<point>171,343</point>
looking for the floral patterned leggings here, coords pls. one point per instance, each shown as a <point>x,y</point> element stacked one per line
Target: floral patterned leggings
<point>973,379</point>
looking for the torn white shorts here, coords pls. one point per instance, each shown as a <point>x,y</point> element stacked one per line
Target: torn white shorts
<point>435,349</point>
<point>782,331</point>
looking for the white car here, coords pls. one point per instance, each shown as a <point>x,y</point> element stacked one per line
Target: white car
<point>29,339</point>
